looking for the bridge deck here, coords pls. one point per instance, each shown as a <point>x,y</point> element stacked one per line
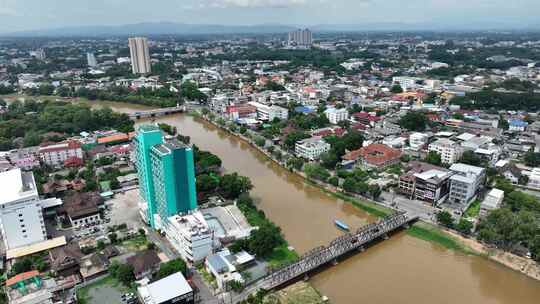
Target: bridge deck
<point>342,245</point>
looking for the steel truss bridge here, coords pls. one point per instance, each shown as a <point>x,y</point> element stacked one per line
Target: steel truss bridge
<point>157,112</point>
<point>343,245</point>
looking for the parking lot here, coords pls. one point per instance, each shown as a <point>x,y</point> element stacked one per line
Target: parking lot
<point>123,208</point>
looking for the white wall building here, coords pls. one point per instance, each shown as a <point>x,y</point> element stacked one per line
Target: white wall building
<point>21,215</point>
<point>336,115</point>
<point>418,140</point>
<point>464,184</point>
<point>268,113</point>
<point>140,55</point>
<point>191,236</point>
<point>450,151</point>
<point>56,154</point>
<point>311,148</point>
<point>534,178</point>
<point>406,83</point>
<point>492,201</point>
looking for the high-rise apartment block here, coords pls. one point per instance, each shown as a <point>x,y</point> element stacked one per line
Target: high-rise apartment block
<point>91,60</point>
<point>21,212</point>
<point>173,175</point>
<point>166,176</point>
<point>301,37</point>
<point>140,55</point>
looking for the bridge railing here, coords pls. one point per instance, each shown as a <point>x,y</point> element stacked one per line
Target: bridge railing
<point>338,247</point>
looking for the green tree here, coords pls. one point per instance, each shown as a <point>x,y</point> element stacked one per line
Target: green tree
<point>329,160</point>
<point>470,158</point>
<point>433,158</point>
<point>316,171</point>
<point>396,89</point>
<point>295,163</point>
<point>375,191</point>
<point>532,159</point>
<point>233,185</point>
<point>464,226</point>
<point>349,185</point>
<point>207,183</point>
<point>264,240</point>
<point>445,218</point>
<point>334,181</point>
<point>171,267</point>
<point>414,121</point>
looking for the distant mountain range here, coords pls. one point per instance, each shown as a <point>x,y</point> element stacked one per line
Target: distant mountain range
<point>172,28</point>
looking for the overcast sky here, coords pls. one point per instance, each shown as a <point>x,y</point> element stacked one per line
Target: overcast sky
<point>18,15</point>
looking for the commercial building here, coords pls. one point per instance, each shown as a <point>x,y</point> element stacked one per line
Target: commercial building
<point>91,60</point>
<point>147,137</point>
<point>21,212</point>
<point>140,55</point>
<point>301,37</point>
<point>534,178</point>
<point>311,148</point>
<point>336,115</point>
<point>82,208</point>
<point>406,83</point>
<point>425,182</point>
<point>268,113</point>
<point>191,236</point>
<point>173,176</point>
<point>171,289</point>
<point>465,183</point>
<point>417,141</point>
<point>226,267</point>
<point>516,125</point>
<point>492,201</point>
<point>376,156</point>
<point>166,173</point>
<point>449,151</point>
<point>60,154</point>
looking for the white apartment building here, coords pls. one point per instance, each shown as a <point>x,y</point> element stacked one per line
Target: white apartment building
<point>450,151</point>
<point>418,140</point>
<point>21,215</point>
<point>336,115</point>
<point>406,83</point>
<point>140,55</point>
<point>492,201</point>
<point>311,148</point>
<point>301,37</point>
<point>191,236</point>
<point>464,184</point>
<point>268,113</point>
<point>534,178</point>
<point>56,154</point>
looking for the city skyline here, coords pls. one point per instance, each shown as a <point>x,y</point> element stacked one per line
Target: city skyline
<point>34,15</point>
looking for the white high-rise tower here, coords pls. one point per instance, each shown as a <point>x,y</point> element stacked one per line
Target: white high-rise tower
<point>140,55</point>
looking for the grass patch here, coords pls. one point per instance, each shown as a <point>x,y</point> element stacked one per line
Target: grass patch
<point>83,294</point>
<point>433,234</point>
<point>207,277</point>
<point>369,207</point>
<point>473,210</point>
<point>282,256</point>
<point>137,243</point>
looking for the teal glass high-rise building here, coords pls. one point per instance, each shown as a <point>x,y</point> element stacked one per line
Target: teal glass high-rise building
<point>147,137</point>
<point>174,179</point>
<point>166,175</point>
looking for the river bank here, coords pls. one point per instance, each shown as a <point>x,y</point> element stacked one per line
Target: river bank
<point>421,230</point>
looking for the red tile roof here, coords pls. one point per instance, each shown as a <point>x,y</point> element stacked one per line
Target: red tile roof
<point>22,277</point>
<point>374,154</point>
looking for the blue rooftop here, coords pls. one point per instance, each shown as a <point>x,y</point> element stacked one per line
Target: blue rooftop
<point>304,110</point>
<point>518,123</point>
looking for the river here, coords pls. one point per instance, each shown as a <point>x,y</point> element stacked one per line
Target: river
<point>402,269</point>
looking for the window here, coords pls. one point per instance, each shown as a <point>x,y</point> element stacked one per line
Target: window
<point>22,226</point>
<point>24,231</point>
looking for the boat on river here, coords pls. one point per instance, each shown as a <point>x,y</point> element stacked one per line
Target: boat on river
<point>341,225</point>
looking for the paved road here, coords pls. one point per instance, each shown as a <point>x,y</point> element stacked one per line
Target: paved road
<point>412,207</point>
<point>162,244</point>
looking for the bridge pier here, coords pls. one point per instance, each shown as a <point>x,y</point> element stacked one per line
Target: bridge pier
<point>385,236</point>
<point>335,262</point>
<point>306,277</point>
<point>361,249</point>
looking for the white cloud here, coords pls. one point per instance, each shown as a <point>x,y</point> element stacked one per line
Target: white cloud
<point>6,11</point>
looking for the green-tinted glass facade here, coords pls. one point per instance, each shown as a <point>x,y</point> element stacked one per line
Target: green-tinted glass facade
<point>174,179</point>
<point>147,137</point>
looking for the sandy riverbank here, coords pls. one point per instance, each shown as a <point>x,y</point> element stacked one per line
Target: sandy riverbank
<point>526,266</point>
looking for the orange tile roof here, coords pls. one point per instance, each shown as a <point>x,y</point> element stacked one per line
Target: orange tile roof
<point>375,154</point>
<point>21,277</point>
<point>113,138</point>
